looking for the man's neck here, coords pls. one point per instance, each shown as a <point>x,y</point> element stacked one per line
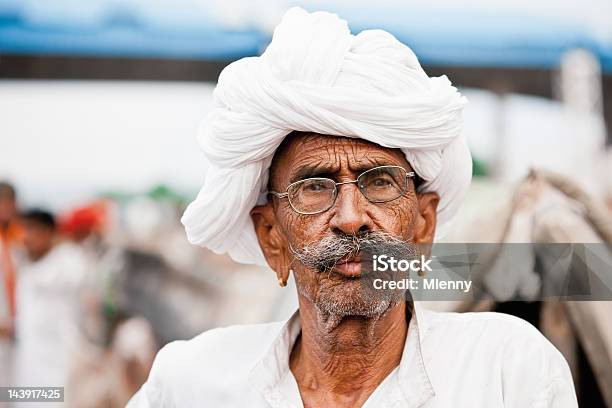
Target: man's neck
<point>341,361</point>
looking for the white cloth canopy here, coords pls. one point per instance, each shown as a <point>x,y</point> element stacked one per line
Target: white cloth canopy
<point>316,76</point>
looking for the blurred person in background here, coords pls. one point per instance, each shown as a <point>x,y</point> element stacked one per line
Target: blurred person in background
<point>11,241</point>
<point>47,303</point>
<point>40,234</point>
<point>314,149</point>
<point>85,226</point>
<point>11,238</point>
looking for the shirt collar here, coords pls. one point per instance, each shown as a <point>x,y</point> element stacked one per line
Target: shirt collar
<point>415,387</point>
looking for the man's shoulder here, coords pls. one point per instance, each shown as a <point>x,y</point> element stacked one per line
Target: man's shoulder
<point>495,328</point>
<point>219,349</point>
<point>247,337</point>
<point>512,341</point>
<point>217,361</point>
<point>499,323</point>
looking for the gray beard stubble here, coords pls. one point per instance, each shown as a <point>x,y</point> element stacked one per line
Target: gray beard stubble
<point>324,254</point>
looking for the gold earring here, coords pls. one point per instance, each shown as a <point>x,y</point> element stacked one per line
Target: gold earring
<point>282,281</point>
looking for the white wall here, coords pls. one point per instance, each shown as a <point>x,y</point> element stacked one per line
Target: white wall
<point>61,140</point>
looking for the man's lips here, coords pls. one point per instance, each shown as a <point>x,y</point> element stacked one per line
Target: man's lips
<point>349,267</point>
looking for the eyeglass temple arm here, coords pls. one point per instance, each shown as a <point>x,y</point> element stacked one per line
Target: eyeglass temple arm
<point>277,194</point>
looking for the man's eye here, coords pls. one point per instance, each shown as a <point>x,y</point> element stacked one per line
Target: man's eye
<point>380,182</point>
<point>316,187</point>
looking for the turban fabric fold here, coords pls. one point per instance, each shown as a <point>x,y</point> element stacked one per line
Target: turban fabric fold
<point>315,76</point>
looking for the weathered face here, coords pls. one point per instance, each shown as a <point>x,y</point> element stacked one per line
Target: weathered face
<point>282,231</point>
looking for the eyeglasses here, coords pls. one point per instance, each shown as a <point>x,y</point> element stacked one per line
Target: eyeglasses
<point>317,195</point>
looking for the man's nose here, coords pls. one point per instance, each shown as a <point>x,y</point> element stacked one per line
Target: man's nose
<point>350,216</point>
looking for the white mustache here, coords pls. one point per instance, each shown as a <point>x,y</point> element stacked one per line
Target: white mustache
<point>324,254</point>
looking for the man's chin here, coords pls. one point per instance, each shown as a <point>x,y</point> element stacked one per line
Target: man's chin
<point>349,299</point>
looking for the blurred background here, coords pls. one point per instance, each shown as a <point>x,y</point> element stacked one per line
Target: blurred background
<point>99,105</point>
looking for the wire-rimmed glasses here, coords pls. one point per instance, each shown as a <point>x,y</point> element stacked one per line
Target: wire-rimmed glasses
<point>318,194</point>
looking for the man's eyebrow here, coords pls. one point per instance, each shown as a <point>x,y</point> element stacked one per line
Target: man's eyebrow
<point>371,162</point>
<point>328,170</point>
<point>317,170</point>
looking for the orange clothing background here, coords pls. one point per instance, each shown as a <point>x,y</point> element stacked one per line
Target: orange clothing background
<point>9,238</point>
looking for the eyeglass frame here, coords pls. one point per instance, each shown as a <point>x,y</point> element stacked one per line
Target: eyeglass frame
<point>277,194</point>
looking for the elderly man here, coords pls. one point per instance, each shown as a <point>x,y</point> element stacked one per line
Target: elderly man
<point>47,302</point>
<point>326,146</point>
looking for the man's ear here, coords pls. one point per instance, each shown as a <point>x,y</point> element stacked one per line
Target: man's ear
<point>425,227</point>
<point>272,241</point>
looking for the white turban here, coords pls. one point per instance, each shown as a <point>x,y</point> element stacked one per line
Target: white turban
<point>316,76</point>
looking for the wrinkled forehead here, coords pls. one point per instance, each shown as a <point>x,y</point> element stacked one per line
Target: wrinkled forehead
<point>302,152</point>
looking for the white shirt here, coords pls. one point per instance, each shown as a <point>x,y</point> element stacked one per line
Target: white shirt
<point>449,360</point>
